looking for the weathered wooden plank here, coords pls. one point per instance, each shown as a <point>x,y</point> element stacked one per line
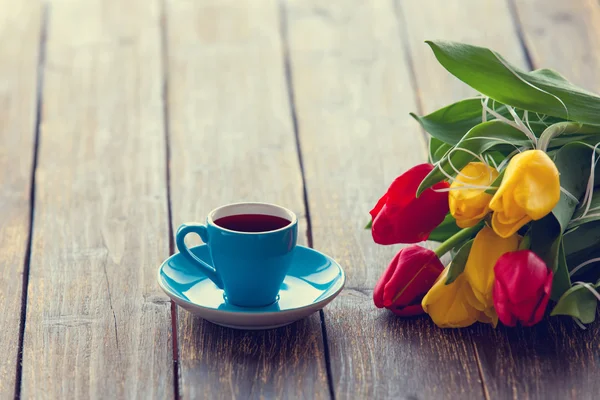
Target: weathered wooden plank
<point>353,95</point>
<point>563,35</point>
<point>232,139</point>
<point>555,359</point>
<point>18,82</point>
<point>98,325</point>
<point>481,23</point>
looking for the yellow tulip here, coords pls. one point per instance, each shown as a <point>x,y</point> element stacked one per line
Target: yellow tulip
<point>529,191</point>
<point>479,270</point>
<point>469,205</point>
<point>455,305</point>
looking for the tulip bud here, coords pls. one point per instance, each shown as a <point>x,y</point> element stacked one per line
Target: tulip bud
<point>522,288</point>
<point>529,191</point>
<point>409,276</point>
<point>469,203</point>
<point>401,217</point>
<point>455,305</point>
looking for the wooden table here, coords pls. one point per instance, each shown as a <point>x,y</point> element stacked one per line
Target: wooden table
<point>119,120</point>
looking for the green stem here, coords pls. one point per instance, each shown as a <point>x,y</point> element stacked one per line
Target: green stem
<point>525,242</point>
<point>458,238</point>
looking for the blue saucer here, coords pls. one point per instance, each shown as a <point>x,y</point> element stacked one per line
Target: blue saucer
<point>313,281</point>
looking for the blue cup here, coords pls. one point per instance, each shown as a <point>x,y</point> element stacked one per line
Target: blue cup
<point>249,266</point>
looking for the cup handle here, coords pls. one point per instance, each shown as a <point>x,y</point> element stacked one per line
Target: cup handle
<point>201,231</point>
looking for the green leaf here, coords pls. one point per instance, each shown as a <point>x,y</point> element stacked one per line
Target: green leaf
<point>542,91</point>
<point>445,230</point>
<point>457,266</point>
<point>496,156</point>
<point>593,214</point>
<point>595,203</point>
<point>546,242</point>
<point>581,238</point>
<point>561,133</point>
<point>526,241</point>
<point>496,183</point>
<point>492,135</point>
<point>582,244</point>
<point>573,164</point>
<point>577,302</point>
<point>589,272</point>
<point>449,124</point>
<point>550,74</point>
<point>561,281</point>
<point>437,149</point>
<point>369,225</point>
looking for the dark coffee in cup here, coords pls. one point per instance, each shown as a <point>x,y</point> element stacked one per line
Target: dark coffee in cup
<point>252,222</point>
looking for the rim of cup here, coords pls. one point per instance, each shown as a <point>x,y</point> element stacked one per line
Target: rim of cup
<point>259,208</point>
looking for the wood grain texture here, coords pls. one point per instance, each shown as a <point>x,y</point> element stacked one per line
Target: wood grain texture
<point>565,36</point>
<point>231,140</point>
<point>353,95</point>
<point>481,23</point>
<point>18,81</point>
<point>374,352</point>
<point>555,359</point>
<point>98,325</point>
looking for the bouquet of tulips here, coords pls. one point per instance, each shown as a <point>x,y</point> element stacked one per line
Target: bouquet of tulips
<point>512,193</point>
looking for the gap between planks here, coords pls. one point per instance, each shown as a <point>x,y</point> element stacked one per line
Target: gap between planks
<point>402,25</point>
<point>514,14</point>
<point>27,259</point>
<point>410,64</point>
<point>283,30</point>
<point>165,105</point>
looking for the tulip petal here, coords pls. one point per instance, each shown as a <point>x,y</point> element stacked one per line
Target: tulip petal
<point>449,305</point>
<point>416,270</point>
<point>538,194</point>
<point>379,206</point>
<point>505,230</point>
<point>411,273</point>
<point>408,311</point>
<point>379,287</point>
<point>468,206</point>
<point>489,316</point>
<point>479,269</point>
<point>530,189</point>
<point>404,188</point>
<point>543,303</point>
<point>400,217</point>
<point>501,305</point>
<point>522,288</point>
<point>510,212</point>
<point>524,273</point>
<point>525,310</point>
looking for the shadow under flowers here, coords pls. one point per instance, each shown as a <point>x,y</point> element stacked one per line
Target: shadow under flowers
<point>555,358</point>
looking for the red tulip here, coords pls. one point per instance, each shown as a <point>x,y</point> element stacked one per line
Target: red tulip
<point>401,217</point>
<point>410,275</point>
<point>522,288</point>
